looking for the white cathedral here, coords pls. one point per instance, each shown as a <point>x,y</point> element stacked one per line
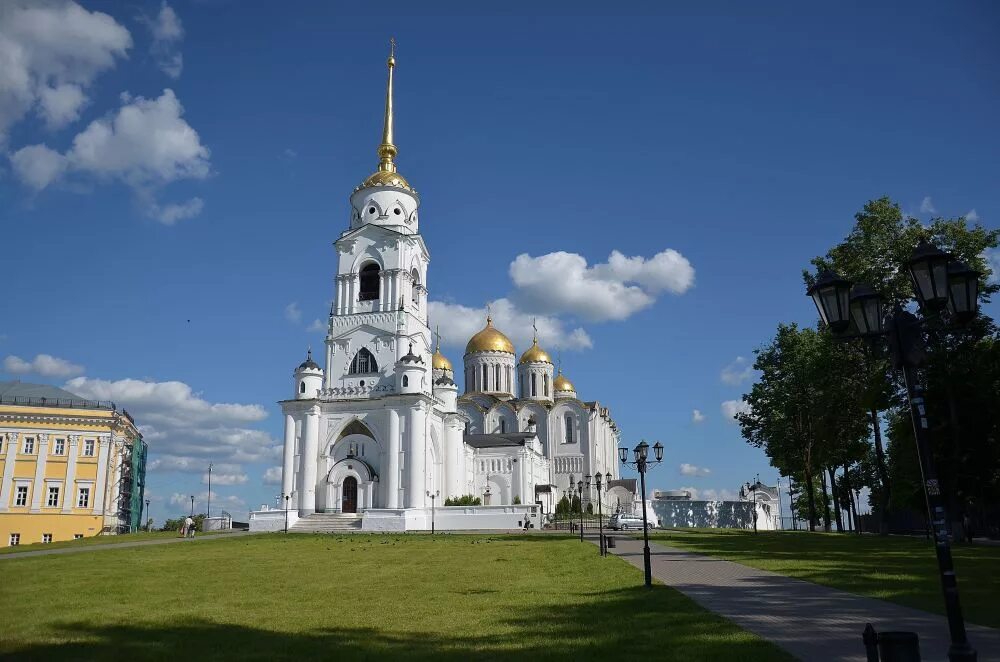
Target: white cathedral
<point>380,434</point>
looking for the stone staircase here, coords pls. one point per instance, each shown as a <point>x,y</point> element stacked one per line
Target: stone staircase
<point>327,523</point>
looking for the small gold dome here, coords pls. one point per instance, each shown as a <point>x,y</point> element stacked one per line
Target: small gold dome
<point>560,383</point>
<point>383,178</point>
<point>489,340</point>
<point>439,362</point>
<point>535,354</point>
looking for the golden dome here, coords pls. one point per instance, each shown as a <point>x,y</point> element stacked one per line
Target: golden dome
<point>489,340</point>
<point>384,178</point>
<point>439,362</point>
<point>560,383</point>
<point>535,354</point>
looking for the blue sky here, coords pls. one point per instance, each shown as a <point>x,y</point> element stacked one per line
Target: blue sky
<point>173,177</point>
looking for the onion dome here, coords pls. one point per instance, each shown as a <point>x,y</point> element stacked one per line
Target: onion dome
<point>535,354</point>
<point>309,364</point>
<point>560,383</point>
<point>489,340</point>
<point>410,357</point>
<point>438,360</point>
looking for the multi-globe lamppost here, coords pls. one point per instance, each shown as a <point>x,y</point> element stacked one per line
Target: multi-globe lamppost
<point>600,508</point>
<point>752,488</point>
<point>641,464</point>
<point>579,491</point>
<point>947,291</point>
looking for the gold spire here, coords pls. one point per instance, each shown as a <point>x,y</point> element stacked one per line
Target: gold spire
<point>386,174</point>
<point>489,339</point>
<point>535,354</point>
<point>387,150</point>
<point>438,360</point>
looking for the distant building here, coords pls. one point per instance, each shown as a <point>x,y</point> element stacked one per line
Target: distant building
<point>675,509</point>
<point>70,467</point>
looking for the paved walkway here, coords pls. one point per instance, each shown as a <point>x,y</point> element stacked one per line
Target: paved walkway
<point>809,621</point>
<point>119,545</point>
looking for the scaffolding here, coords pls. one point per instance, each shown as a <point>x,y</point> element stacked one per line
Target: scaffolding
<point>131,486</point>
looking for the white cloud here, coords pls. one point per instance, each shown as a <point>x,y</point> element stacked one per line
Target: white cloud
<point>171,213</point>
<point>289,153</point>
<point>972,216</point>
<point>146,144</point>
<point>692,470</point>
<point>201,501</point>
<point>459,323</point>
<point>45,365</point>
<point>927,205</point>
<point>49,53</point>
<point>697,416</point>
<point>992,257</point>
<point>732,407</point>
<point>293,313</point>
<point>184,430</point>
<point>736,372</point>
<point>220,478</point>
<point>562,282</point>
<point>272,476</point>
<point>316,326</point>
<point>167,33</point>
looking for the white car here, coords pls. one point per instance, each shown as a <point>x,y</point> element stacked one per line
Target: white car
<point>624,522</point>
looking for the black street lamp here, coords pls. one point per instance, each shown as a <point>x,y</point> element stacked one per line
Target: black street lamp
<point>192,506</point>
<point>209,513</point>
<point>148,521</point>
<point>286,513</point>
<point>433,496</point>
<point>600,511</point>
<point>942,286</point>
<point>641,464</point>
<point>579,490</point>
<point>753,488</point>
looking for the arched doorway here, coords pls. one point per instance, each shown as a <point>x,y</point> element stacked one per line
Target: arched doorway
<point>349,504</point>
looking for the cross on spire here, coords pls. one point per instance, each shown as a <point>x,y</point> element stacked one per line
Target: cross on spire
<point>534,325</point>
<point>437,336</point>
<point>392,47</point>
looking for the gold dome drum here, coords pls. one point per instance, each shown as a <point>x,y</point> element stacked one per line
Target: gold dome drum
<point>490,339</point>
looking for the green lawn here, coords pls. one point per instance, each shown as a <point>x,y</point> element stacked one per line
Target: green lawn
<point>898,569</point>
<point>101,540</point>
<point>266,597</point>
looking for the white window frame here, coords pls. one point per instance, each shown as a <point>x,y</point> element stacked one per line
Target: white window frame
<point>77,536</point>
<point>80,491</point>
<point>88,447</point>
<point>14,540</point>
<point>48,496</point>
<point>29,446</point>
<point>17,494</point>
<point>59,448</point>
<point>46,538</point>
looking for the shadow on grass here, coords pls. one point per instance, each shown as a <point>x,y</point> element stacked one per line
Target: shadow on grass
<point>634,623</point>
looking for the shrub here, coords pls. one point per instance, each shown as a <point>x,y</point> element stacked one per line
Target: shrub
<point>517,501</point>
<point>464,500</point>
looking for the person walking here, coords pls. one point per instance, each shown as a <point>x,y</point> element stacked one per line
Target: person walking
<point>188,527</point>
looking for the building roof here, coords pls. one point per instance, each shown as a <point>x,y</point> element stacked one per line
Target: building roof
<point>498,440</point>
<point>10,390</point>
<point>628,483</point>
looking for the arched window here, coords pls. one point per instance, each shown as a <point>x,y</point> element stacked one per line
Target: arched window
<point>302,387</point>
<point>406,381</point>
<point>369,282</point>
<point>496,375</point>
<point>415,288</point>
<point>569,429</point>
<point>546,380</point>
<point>363,363</point>
<point>503,426</point>
<point>486,378</point>
<point>534,385</point>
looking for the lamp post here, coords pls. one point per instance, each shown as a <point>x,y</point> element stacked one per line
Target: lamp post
<point>192,506</point>
<point>486,492</point>
<point>753,489</point>
<point>642,464</point>
<point>600,510</point>
<point>286,513</point>
<point>209,513</point>
<point>579,490</point>
<point>433,496</point>
<point>945,289</point>
<point>148,520</point>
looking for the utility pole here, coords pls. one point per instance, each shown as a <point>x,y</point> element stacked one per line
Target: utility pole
<point>209,513</point>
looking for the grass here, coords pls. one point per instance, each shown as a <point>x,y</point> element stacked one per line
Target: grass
<point>271,596</point>
<point>100,540</point>
<point>893,568</point>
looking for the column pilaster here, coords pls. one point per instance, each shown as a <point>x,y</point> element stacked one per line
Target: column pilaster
<point>100,489</point>
<point>69,498</point>
<point>391,497</point>
<point>288,459</point>
<point>307,498</point>
<point>39,484</point>
<point>10,449</point>
<point>416,449</point>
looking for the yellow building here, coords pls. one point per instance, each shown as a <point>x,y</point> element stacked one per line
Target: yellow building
<point>70,467</point>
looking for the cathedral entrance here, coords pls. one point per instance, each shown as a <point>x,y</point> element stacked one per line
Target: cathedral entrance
<point>350,499</point>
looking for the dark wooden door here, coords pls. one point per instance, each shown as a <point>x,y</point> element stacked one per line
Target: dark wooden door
<point>350,502</point>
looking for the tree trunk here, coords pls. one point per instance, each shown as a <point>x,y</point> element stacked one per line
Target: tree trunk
<point>811,499</point>
<point>826,502</point>
<point>850,501</point>
<point>836,499</point>
<point>883,476</point>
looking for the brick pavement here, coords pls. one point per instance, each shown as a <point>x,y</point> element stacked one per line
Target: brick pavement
<point>809,621</point>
